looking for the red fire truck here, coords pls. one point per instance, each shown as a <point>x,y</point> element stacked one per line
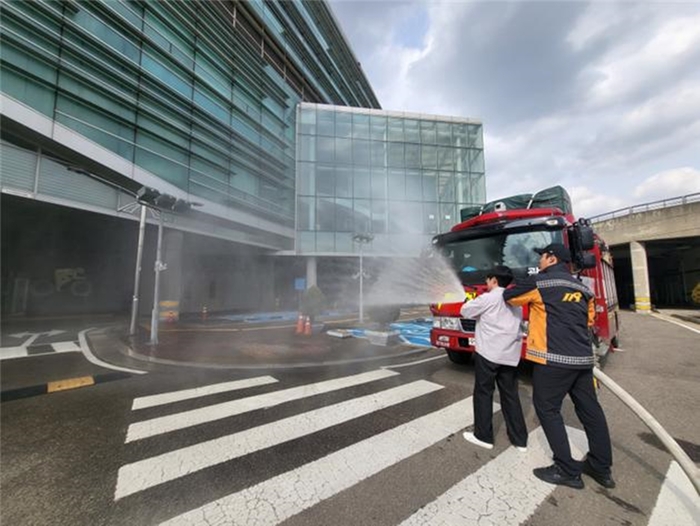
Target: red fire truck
<point>505,232</point>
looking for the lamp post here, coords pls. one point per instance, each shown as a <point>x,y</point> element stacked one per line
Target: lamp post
<point>362,239</point>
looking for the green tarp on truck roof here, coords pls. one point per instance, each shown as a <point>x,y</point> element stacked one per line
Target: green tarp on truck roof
<point>553,197</point>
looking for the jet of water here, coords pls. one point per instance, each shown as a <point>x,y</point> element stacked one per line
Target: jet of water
<point>415,281</point>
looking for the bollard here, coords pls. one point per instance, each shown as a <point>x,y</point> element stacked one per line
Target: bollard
<point>205,313</point>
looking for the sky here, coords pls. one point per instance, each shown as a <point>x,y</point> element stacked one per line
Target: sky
<point>600,97</point>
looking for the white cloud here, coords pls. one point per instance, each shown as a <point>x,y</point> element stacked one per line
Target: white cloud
<point>587,203</point>
<point>598,97</point>
<point>640,60</point>
<point>670,183</point>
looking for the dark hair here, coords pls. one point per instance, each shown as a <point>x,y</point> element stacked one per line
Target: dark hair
<point>503,275</point>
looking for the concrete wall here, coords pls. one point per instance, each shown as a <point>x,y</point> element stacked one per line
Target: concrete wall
<point>664,246</point>
<point>665,223</point>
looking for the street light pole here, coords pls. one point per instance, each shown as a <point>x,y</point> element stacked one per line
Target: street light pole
<point>137,273</point>
<point>155,313</point>
<point>362,239</point>
<point>362,313</point>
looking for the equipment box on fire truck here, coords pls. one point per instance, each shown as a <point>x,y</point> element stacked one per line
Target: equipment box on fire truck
<point>506,232</point>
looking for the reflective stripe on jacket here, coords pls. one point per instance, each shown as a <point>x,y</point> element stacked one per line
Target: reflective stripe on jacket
<point>561,311</point>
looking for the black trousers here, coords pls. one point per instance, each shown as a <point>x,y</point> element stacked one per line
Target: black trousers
<point>487,375</point>
<point>550,385</point>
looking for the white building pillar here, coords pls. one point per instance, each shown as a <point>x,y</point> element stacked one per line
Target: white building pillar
<point>311,271</point>
<point>640,276</point>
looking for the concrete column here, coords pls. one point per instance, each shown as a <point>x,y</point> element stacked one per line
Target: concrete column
<point>310,271</point>
<point>171,278</point>
<point>640,275</point>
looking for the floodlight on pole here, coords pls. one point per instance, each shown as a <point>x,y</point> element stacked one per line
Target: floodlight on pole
<point>362,239</point>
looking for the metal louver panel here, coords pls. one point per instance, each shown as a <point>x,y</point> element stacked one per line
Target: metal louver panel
<point>56,180</point>
<point>17,168</point>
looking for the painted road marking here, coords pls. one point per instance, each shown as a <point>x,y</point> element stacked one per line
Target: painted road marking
<point>23,351</point>
<point>65,347</point>
<point>408,364</point>
<point>7,353</point>
<point>165,424</point>
<point>71,383</point>
<point>150,472</point>
<point>504,489</point>
<point>85,348</point>
<point>188,394</point>
<point>678,502</point>
<point>290,493</point>
<point>675,322</point>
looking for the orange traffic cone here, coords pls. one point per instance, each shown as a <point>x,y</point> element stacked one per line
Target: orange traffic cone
<point>307,327</point>
<point>300,324</point>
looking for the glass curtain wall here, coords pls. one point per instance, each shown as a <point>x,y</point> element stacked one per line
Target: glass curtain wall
<point>401,177</point>
<point>201,94</point>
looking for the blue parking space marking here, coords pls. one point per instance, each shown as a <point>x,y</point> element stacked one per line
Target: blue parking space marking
<point>415,332</point>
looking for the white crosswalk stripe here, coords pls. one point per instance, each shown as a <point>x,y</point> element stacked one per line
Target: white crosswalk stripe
<point>490,490</point>
<point>44,349</point>
<point>169,423</point>
<point>197,392</point>
<point>153,471</point>
<point>678,502</point>
<point>502,489</point>
<point>286,495</point>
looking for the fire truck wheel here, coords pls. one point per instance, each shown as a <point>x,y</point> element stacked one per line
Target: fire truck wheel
<point>459,357</point>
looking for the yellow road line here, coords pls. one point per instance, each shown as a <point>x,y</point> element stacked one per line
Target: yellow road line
<point>71,383</point>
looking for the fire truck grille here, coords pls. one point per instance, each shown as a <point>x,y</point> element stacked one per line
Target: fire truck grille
<point>468,325</point>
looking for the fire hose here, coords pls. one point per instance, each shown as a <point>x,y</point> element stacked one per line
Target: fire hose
<point>688,466</point>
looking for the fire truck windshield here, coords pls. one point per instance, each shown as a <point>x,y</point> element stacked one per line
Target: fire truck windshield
<point>472,259</point>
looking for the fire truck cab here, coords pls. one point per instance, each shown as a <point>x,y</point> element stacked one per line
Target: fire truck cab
<point>497,235</point>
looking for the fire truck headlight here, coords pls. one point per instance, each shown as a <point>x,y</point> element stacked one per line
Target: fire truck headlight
<point>448,323</point>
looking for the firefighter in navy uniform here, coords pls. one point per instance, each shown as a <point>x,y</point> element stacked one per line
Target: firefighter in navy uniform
<point>561,311</point>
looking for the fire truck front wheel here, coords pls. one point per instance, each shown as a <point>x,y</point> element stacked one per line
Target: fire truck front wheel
<point>459,357</point>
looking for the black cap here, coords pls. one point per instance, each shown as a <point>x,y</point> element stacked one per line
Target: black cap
<point>500,271</point>
<point>556,249</point>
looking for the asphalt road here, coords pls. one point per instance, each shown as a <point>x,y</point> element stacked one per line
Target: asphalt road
<point>375,442</point>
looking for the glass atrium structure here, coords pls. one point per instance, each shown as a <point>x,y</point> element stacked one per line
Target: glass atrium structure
<point>401,177</point>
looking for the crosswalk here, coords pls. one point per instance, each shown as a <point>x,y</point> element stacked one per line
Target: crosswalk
<point>502,489</point>
<point>41,349</point>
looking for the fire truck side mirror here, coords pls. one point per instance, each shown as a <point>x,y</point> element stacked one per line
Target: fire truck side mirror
<point>587,261</point>
<point>583,234</point>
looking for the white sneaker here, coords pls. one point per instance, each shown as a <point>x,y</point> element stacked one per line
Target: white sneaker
<point>522,449</point>
<point>469,437</point>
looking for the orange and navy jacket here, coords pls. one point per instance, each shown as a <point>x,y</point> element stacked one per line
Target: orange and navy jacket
<point>561,311</point>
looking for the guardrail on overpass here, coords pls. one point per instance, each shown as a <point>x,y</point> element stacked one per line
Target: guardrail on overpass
<point>646,207</point>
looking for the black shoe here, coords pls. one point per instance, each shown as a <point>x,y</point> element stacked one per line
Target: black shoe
<point>554,475</point>
<point>604,480</point>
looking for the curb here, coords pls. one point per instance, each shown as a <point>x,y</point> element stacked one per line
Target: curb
<point>60,385</point>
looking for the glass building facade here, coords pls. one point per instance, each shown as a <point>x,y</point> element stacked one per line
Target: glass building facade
<point>401,177</point>
<point>257,111</point>
<point>202,95</point>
